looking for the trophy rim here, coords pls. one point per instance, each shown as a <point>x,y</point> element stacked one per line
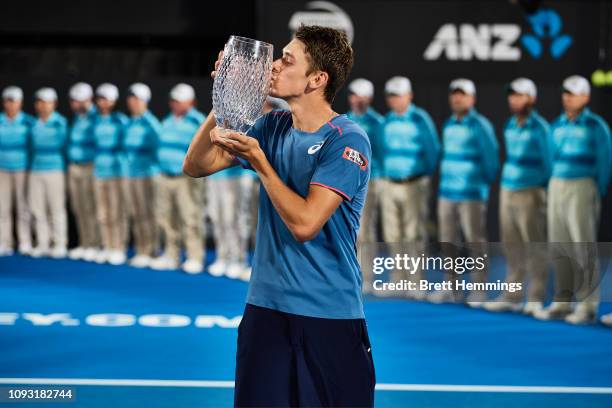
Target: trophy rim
<point>249,40</point>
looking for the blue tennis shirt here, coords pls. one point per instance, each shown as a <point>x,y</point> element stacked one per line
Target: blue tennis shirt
<point>321,277</point>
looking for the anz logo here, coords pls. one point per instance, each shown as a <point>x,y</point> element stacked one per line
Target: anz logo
<point>501,42</point>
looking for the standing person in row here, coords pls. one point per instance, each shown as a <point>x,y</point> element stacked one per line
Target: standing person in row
<point>582,160</point>
<point>108,133</point>
<point>15,128</point>
<point>81,152</point>
<point>47,186</point>
<point>522,209</point>
<point>141,137</point>
<point>361,93</point>
<point>410,150</point>
<point>470,163</point>
<point>177,193</point>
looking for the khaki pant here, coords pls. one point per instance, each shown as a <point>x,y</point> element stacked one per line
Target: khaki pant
<point>110,210</point>
<point>141,201</point>
<point>367,238</point>
<point>179,211</point>
<point>13,185</point>
<point>404,217</point>
<point>223,199</point>
<point>47,199</point>
<point>522,219</point>
<point>245,222</point>
<point>82,201</point>
<point>574,208</point>
<point>467,218</point>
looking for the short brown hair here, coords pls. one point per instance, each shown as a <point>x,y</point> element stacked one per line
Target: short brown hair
<point>329,51</point>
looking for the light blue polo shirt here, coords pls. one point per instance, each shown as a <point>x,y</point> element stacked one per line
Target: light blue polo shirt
<point>108,134</point>
<point>140,145</point>
<point>15,142</point>
<point>175,138</point>
<point>49,143</point>
<point>321,277</point>
<point>81,148</point>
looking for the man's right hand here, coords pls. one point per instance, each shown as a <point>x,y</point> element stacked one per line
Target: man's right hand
<point>213,74</point>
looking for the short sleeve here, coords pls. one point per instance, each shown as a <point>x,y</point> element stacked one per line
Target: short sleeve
<point>344,164</point>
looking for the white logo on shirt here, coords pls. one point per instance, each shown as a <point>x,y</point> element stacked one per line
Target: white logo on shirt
<point>315,148</point>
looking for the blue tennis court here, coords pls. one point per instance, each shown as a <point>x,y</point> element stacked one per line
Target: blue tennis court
<point>126,337</point>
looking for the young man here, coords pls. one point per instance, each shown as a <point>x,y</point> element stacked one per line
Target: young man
<point>177,193</point>
<point>522,208</point>
<point>410,150</point>
<point>470,162</point>
<point>47,186</point>
<point>108,133</point>
<point>81,153</point>
<point>361,93</point>
<point>303,339</point>
<point>140,146</point>
<point>15,128</point>
<point>582,160</point>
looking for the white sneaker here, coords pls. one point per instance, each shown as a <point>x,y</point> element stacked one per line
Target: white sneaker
<point>556,311</point>
<point>39,252</point>
<point>441,296</point>
<point>581,315</point>
<point>246,274</point>
<point>192,266</point>
<point>531,308</point>
<point>6,251</point>
<point>163,263</point>
<point>25,249</point>
<point>607,319</point>
<point>59,253</point>
<point>89,254</point>
<point>140,261</point>
<point>217,268</point>
<point>101,256</point>
<point>234,270</point>
<point>76,253</point>
<point>116,257</point>
<point>503,306</point>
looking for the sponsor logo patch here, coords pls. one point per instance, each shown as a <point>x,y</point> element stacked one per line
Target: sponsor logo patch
<point>355,157</point>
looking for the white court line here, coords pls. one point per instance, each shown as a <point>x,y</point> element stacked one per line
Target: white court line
<point>380,387</point>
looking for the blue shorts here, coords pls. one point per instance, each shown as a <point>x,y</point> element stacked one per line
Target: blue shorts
<point>288,360</point>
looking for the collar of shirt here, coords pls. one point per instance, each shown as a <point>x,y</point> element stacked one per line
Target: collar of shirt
<point>529,121</point>
<point>50,120</point>
<point>406,115</point>
<point>469,115</point>
<point>580,119</point>
<point>5,119</point>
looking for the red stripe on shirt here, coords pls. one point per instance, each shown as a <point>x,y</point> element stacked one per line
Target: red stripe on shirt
<point>332,189</point>
<point>338,128</point>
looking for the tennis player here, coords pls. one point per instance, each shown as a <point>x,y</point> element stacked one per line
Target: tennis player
<point>302,340</point>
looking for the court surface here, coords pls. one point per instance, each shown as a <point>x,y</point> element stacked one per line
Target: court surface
<point>124,337</point>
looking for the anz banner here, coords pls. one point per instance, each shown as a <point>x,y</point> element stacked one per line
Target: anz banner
<point>480,39</point>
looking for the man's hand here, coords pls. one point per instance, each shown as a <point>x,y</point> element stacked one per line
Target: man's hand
<point>238,145</point>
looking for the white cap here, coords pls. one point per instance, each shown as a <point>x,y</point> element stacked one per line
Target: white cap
<point>46,95</point>
<point>398,85</point>
<point>108,91</point>
<point>577,85</point>
<point>81,92</point>
<point>523,86</point>
<point>141,91</point>
<point>362,87</point>
<point>464,85</point>
<point>12,92</point>
<point>182,93</point>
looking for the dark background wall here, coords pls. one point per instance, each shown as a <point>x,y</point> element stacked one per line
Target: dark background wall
<point>163,42</point>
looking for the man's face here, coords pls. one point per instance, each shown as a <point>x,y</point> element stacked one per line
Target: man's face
<point>289,73</point>
<point>399,103</point>
<point>573,103</point>
<point>11,106</point>
<point>44,108</point>
<point>79,107</point>
<point>359,103</point>
<point>136,106</point>
<point>180,108</point>
<point>520,103</point>
<point>460,102</point>
<point>104,105</point>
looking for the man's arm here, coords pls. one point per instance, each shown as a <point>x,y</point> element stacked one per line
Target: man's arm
<point>203,157</point>
<point>304,217</point>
